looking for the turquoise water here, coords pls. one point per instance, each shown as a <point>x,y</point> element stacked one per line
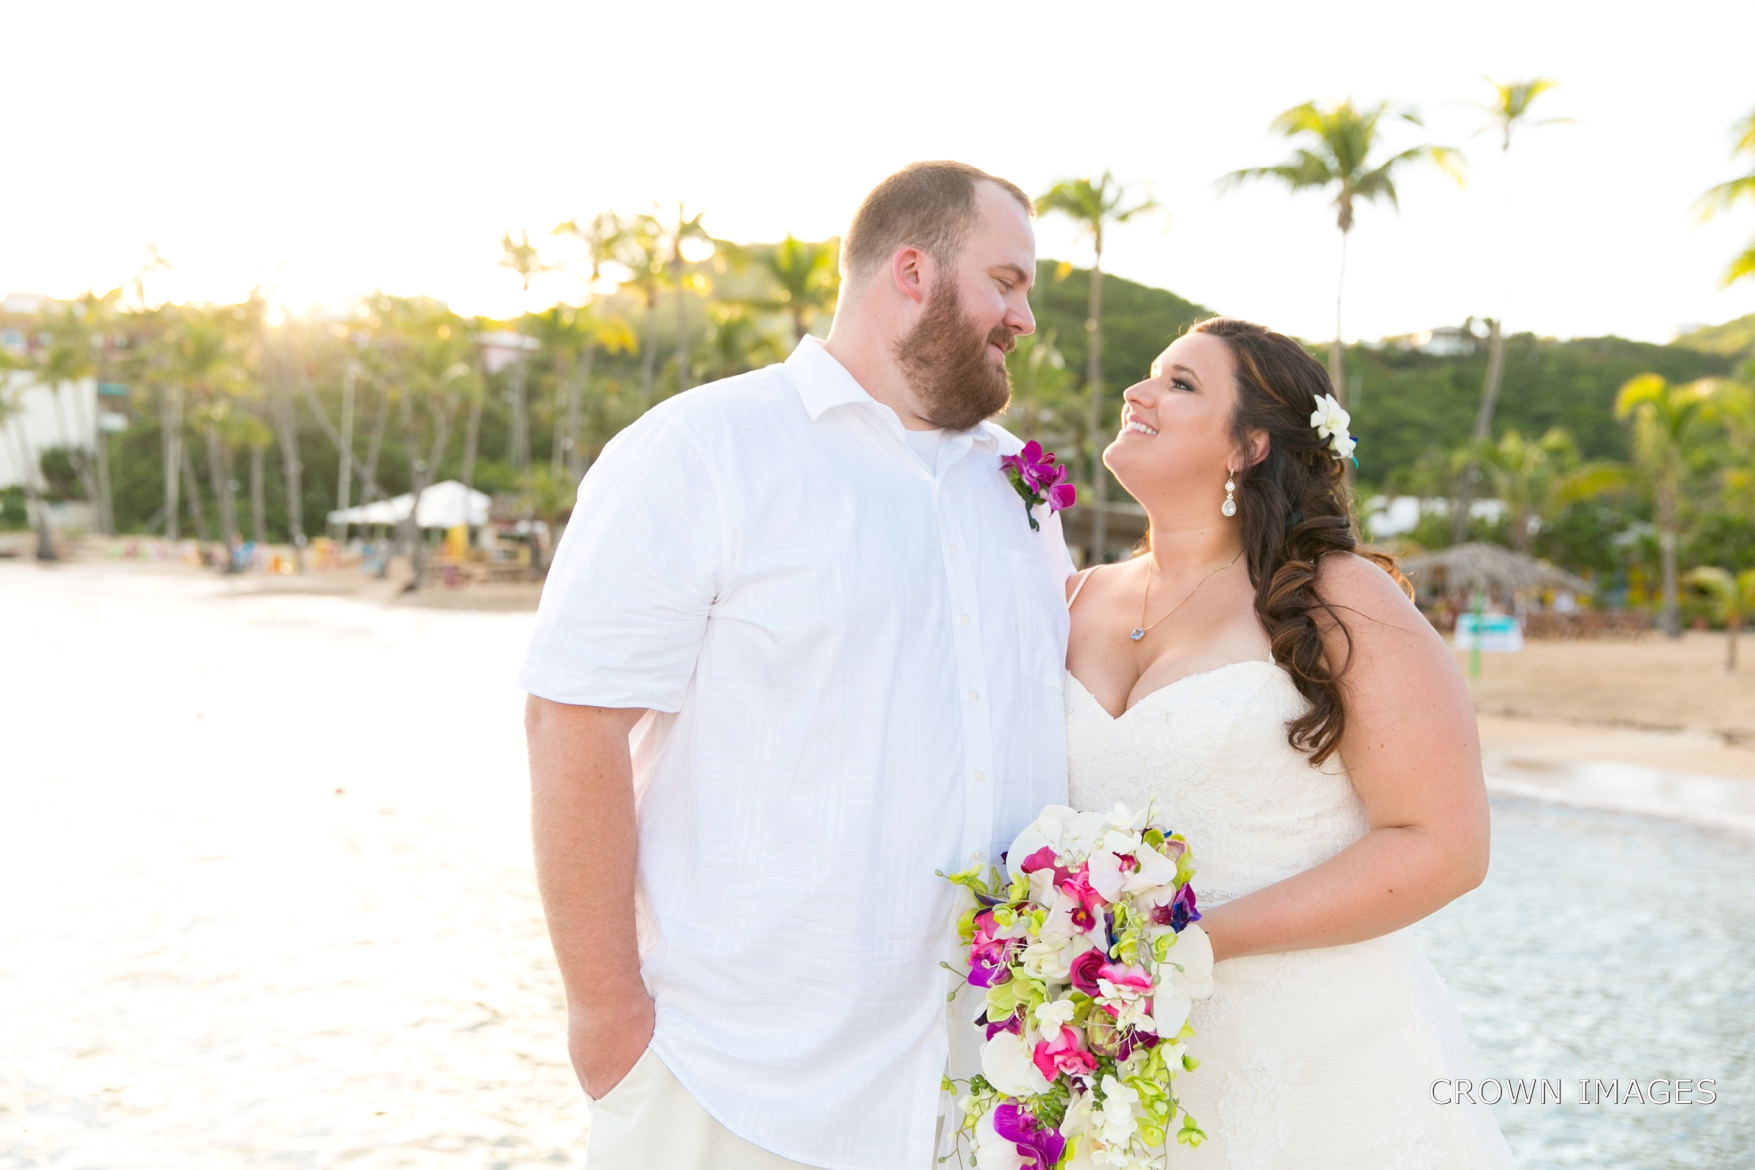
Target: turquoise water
<point>1613,947</point>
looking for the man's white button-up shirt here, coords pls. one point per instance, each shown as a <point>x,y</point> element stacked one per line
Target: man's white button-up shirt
<point>854,665</point>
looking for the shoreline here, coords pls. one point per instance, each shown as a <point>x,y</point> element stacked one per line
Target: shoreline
<point>1589,725</point>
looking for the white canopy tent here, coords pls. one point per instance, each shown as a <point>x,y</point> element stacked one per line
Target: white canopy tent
<point>444,505</point>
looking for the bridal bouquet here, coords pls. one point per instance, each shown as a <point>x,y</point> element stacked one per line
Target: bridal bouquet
<point>1089,960</point>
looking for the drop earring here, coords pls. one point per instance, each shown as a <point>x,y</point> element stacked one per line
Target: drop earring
<point>1229,507</point>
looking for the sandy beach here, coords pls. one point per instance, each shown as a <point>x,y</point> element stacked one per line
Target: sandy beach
<point>269,894</point>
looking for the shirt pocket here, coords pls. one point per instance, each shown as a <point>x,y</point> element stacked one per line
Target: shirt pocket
<point>1041,618</point>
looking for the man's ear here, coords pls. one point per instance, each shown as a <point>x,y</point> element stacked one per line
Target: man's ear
<point>912,270</point>
<point>1255,448</point>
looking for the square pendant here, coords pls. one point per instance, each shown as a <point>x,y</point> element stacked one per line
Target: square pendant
<point>1136,635</point>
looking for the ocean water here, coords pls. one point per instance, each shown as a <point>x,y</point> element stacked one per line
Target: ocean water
<point>1610,947</point>
<point>211,958</point>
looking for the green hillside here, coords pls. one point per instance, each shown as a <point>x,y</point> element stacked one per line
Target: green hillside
<point>1404,402</point>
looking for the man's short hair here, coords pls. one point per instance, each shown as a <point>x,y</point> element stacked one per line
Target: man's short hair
<point>925,205</point>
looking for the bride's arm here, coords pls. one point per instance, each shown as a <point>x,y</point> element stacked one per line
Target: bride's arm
<point>1414,755</point>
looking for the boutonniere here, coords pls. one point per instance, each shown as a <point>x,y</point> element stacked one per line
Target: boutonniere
<point>1039,480</point>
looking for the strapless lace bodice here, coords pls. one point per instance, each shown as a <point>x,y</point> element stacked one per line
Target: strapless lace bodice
<point>1309,1060</point>
<point>1212,749</point>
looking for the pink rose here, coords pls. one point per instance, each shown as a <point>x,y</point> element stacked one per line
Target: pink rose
<point>1065,1053</point>
<point>1085,970</point>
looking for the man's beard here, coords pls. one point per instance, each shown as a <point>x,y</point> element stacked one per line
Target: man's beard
<point>946,364</point>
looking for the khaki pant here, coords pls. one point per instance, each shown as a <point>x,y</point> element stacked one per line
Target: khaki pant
<point>650,1122</point>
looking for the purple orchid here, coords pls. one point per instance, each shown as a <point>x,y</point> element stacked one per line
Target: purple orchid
<point>1013,1023</point>
<point>1039,479</point>
<point>1182,909</point>
<point>1039,1145</point>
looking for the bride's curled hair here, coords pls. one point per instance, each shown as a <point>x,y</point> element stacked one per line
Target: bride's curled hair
<point>1294,509</point>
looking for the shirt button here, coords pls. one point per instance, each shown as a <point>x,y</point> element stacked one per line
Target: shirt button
<point>953,550</point>
<point>974,696</point>
<point>964,619</point>
<point>975,856</point>
<point>980,776</point>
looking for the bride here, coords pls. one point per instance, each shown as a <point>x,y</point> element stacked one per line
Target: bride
<point>1307,731</point>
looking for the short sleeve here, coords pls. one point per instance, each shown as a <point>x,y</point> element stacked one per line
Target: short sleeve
<point>624,609</point>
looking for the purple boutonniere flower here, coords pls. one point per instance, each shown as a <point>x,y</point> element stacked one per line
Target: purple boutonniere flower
<point>1039,480</point>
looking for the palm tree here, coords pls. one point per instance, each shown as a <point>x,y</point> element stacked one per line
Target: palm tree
<point>1666,433</point>
<point>638,248</point>
<point>1337,144</point>
<point>521,256</point>
<point>65,362</point>
<point>672,239</point>
<point>737,342</point>
<point>203,362</point>
<point>1095,205</point>
<point>431,356</point>
<point>1733,596</point>
<point>572,334</point>
<point>1536,479</point>
<point>1727,195</point>
<point>1509,110</point>
<point>806,276</point>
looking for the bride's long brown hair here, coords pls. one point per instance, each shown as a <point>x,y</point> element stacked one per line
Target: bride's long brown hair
<point>1294,510</point>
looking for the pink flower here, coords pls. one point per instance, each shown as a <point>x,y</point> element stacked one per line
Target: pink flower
<point>1088,903</point>
<point>1065,1053</point>
<point>1085,970</point>
<point>1127,979</point>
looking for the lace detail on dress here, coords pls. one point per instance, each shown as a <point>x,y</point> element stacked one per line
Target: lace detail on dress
<point>1310,1060</point>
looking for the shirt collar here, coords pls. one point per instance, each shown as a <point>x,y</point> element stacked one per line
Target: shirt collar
<point>824,383</point>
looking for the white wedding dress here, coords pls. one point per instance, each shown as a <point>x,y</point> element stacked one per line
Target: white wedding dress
<point>1309,1059</point>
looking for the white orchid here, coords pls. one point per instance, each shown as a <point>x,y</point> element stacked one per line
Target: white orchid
<point>1053,1015</point>
<point>993,1152</point>
<point>1143,868</point>
<point>1118,1122</point>
<point>1331,421</point>
<point>1190,962</point>
<point>1006,1063</point>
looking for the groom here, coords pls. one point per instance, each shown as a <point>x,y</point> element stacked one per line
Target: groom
<point>799,648</point>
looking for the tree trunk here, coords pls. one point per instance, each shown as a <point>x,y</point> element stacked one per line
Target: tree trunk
<point>420,475</point>
<point>344,448</point>
<point>368,483</point>
<point>369,473</point>
<point>219,472</point>
<point>1483,429</point>
<point>1672,621</point>
<point>1732,629</point>
<point>582,379</point>
<point>1337,359</point>
<point>471,435</point>
<point>171,435</point>
<point>258,501</point>
<point>1094,412</point>
<point>192,492</point>
<point>519,440</point>
<point>293,470</point>
<point>682,328</point>
<point>651,354</point>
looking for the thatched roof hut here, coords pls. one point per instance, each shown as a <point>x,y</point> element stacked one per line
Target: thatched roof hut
<point>1464,568</point>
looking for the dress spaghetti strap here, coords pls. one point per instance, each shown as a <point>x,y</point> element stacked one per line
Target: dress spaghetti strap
<point>1083,577</point>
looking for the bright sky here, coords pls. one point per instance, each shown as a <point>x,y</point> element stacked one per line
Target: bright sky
<point>329,148</point>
